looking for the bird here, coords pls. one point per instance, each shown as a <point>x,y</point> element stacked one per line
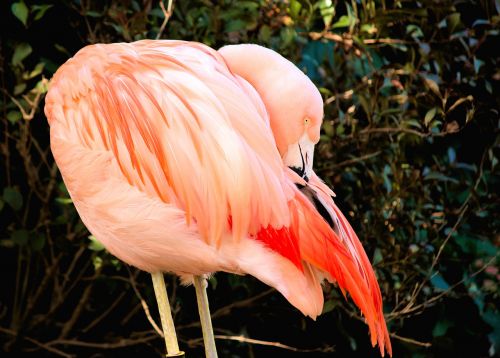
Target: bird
<point>185,159</point>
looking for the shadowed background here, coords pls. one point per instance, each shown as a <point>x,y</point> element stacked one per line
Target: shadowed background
<point>409,144</point>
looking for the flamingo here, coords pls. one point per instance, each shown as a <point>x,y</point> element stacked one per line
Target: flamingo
<point>183,159</point>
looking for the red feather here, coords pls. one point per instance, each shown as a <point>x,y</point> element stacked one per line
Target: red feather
<point>283,241</point>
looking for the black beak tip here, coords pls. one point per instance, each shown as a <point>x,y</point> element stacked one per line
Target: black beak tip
<point>300,172</point>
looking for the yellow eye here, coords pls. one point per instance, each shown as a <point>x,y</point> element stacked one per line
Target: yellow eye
<point>306,120</point>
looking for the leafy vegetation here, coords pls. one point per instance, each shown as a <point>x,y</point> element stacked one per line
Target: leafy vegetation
<point>409,143</point>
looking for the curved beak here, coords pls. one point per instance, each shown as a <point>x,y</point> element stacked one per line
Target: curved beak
<point>299,157</point>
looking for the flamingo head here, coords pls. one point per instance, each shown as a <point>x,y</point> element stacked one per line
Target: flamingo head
<point>293,102</point>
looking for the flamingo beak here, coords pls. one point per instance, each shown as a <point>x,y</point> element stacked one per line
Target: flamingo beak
<point>299,157</point>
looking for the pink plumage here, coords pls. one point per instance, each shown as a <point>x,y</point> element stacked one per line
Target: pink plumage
<point>175,156</point>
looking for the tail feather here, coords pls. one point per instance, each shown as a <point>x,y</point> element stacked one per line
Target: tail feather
<point>342,256</point>
<point>370,279</point>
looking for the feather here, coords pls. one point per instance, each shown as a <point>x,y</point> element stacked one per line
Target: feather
<point>346,260</point>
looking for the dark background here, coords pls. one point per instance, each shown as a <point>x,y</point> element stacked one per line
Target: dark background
<point>409,143</point>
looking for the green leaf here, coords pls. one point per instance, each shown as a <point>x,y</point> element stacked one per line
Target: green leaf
<point>94,13</point>
<point>22,51</point>
<point>236,282</point>
<point>37,242</point>
<point>377,256</point>
<point>97,262</point>
<point>441,328</point>
<point>117,264</point>
<point>64,201</point>
<point>385,176</point>
<point>413,123</point>
<point>62,49</point>
<point>414,31</point>
<point>295,7</point>
<point>328,129</point>
<point>246,5</point>
<point>440,177</point>
<point>328,306</point>
<point>327,11</point>
<point>398,46</point>
<point>340,130</point>
<point>20,10</point>
<point>459,102</point>
<point>485,247</point>
<point>14,116</point>
<point>235,25</point>
<point>20,237</point>
<point>287,35</point>
<point>344,21</point>
<point>12,197</point>
<point>369,28</point>
<point>477,64</point>
<point>452,155</point>
<point>433,86</point>
<point>2,204</point>
<point>429,116</point>
<point>493,319</point>
<point>18,89</point>
<point>94,244</point>
<point>42,86</point>
<point>36,71</point>
<point>439,282</point>
<point>60,220</point>
<point>453,21</point>
<point>213,282</point>
<point>40,10</point>
<point>265,33</point>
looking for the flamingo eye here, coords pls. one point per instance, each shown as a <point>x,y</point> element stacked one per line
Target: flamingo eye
<point>306,120</point>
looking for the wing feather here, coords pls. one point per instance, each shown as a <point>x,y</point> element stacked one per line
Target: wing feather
<point>182,129</point>
<point>339,252</point>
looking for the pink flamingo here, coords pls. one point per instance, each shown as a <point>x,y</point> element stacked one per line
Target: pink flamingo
<point>183,159</point>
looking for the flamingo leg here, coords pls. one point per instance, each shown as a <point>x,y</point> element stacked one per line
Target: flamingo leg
<point>200,285</point>
<point>167,321</point>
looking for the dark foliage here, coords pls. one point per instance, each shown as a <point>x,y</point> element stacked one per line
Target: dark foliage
<point>409,142</point>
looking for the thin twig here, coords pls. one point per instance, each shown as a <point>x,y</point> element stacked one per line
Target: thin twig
<point>168,13</point>
<point>243,303</point>
<point>227,309</point>
<point>244,339</point>
<point>347,40</point>
<point>48,348</point>
<point>356,160</point>
<point>33,299</point>
<point>409,309</point>
<point>79,308</point>
<point>144,305</point>
<point>105,313</point>
<point>412,341</point>
<point>124,342</point>
<point>396,130</point>
<point>386,41</point>
<point>131,314</point>
<point>71,267</point>
<point>463,209</point>
<point>33,104</point>
<point>37,343</point>
<point>448,237</point>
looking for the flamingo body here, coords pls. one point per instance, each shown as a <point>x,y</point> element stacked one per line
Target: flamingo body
<point>173,154</point>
